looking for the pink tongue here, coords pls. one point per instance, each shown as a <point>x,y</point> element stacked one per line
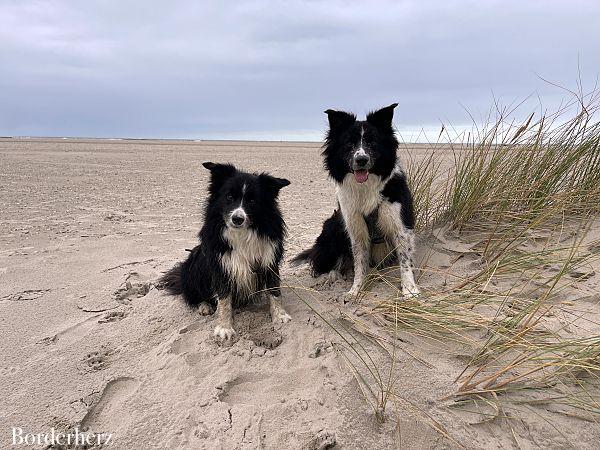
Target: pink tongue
<point>361,175</point>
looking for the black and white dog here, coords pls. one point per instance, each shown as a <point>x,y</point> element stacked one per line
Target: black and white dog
<point>374,201</point>
<point>240,250</point>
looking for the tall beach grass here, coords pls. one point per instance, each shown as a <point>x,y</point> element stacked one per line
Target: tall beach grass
<point>512,184</point>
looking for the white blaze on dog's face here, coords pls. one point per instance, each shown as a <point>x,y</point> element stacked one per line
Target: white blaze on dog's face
<point>237,218</point>
<point>240,203</point>
<point>361,159</point>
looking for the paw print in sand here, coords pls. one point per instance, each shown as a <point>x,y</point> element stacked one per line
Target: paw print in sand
<point>113,316</point>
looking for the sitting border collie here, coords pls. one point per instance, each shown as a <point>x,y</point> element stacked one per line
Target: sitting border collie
<point>240,250</point>
<point>374,202</point>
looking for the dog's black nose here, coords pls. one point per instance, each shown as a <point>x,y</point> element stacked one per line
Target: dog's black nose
<point>238,219</point>
<point>361,160</point>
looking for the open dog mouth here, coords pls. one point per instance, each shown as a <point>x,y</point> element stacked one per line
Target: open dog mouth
<point>361,175</point>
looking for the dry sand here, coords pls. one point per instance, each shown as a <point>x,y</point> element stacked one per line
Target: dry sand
<point>88,226</point>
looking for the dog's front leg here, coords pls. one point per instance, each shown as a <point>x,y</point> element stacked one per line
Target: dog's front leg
<point>361,247</point>
<point>224,329</point>
<point>409,286</point>
<point>389,221</point>
<point>278,313</point>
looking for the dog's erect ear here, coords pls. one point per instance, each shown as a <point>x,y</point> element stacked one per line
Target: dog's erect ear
<point>219,173</point>
<point>219,170</point>
<point>271,183</point>
<point>383,117</point>
<point>339,120</point>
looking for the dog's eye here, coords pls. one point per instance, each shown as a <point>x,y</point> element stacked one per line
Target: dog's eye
<point>251,201</point>
<point>229,197</point>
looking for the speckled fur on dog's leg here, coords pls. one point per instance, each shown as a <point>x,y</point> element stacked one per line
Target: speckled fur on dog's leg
<point>390,223</point>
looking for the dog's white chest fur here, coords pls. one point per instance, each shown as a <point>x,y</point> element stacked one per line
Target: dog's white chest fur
<point>361,198</point>
<point>248,251</point>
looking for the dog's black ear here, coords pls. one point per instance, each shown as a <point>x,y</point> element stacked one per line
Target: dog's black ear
<point>271,183</point>
<point>220,170</point>
<point>339,120</point>
<point>219,173</point>
<point>383,117</point>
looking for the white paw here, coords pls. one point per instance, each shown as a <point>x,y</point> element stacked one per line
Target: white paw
<point>224,333</point>
<point>411,291</point>
<point>205,309</point>
<point>353,292</point>
<point>280,316</point>
<point>351,296</point>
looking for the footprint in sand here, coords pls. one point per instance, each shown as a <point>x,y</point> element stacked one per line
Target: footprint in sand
<point>257,327</point>
<point>136,285</point>
<point>183,344</point>
<point>322,441</point>
<point>73,332</point>
<point>266,337</point>
<point>107,414</point>
<point>239,389</point>
<point>98,360</point>
<point>25,296</point>
<point>186,342</point>
<point>113,316</point>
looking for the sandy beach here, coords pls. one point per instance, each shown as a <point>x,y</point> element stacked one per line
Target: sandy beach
<point>87,340</point>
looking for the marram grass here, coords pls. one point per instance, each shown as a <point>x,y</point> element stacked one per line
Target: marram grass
<point>510,185</point>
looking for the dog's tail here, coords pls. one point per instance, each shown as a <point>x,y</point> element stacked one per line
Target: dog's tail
<point>171,280</point>
<point>302,258</point>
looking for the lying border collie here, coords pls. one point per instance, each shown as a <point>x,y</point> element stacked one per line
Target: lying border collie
<point>374,202</point>
<point>240,250</point>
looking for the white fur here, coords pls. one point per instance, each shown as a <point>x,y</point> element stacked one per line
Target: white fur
<point>361,198</point>
<point>247,251</point>
<point>361,150</point>
<point>278,314</point>
<point>224,329</point>
<point>239,211</point>
<point>358,200</point>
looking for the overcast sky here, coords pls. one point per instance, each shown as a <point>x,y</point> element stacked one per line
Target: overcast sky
<point>267,69</point>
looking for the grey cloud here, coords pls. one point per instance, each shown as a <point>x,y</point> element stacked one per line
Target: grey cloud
<point>227,69</point>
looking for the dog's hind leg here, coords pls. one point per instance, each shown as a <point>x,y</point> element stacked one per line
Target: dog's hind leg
<point>205,309</point>
<point>331,251</point>
<point>402,238</point>
<point>224,329</point>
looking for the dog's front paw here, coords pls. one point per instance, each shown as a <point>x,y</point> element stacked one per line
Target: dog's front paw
<point>280,316</point>
<point>411,291</point>
<point>205,309</point>
<point>352,295</point>
<point>353,292</point>
<point>224,333</point>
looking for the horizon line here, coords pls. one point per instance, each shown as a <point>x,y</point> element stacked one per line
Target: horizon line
<point>179,139</point>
